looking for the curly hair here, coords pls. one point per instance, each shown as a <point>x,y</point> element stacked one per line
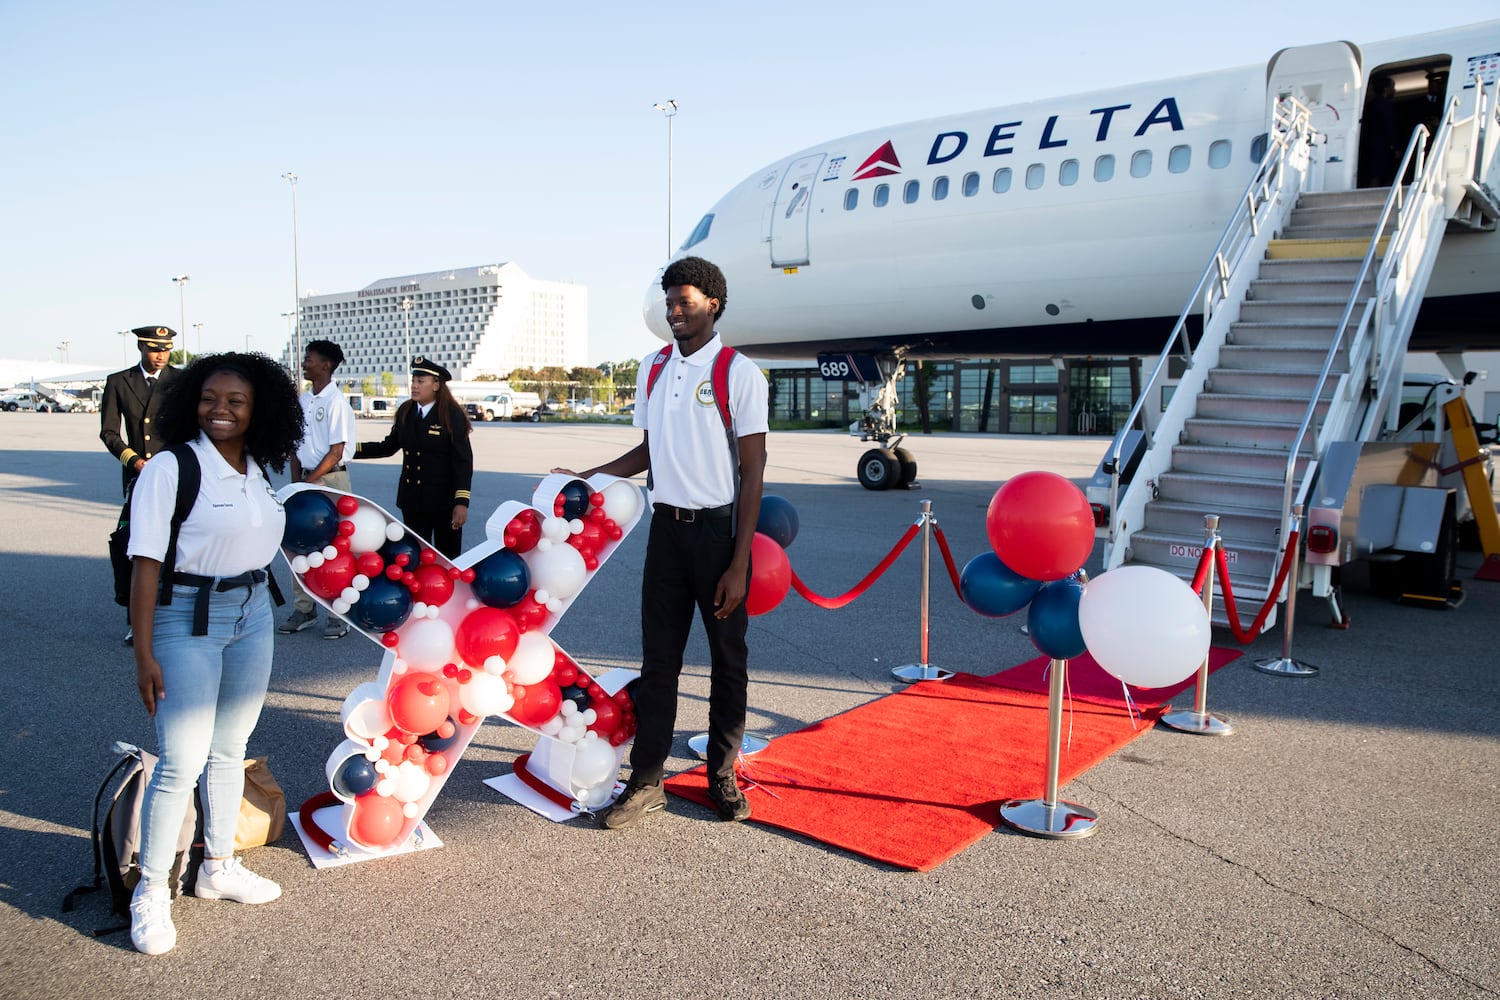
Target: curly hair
<point>276,423</point>
<point>702,275</point>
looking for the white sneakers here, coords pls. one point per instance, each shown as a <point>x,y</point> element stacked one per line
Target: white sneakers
<point>151,928</point>
<point>235,882</point>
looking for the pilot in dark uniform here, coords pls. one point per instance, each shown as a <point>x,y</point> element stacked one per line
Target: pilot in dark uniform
<point>132,397</point>
<point>437,462</point>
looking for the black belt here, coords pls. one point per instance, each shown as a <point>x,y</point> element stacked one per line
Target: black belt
<point>221,584</point>
<point>688,515</point>
<point>338,468</point>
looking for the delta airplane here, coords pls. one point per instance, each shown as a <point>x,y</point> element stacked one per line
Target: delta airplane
<point>1068,227</point>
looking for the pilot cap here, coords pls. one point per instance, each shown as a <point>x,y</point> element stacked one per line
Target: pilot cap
<point>421,366</point>
<point>154,338</point>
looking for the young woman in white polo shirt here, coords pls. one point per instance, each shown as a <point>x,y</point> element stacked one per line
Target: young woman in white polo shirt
<point>203,661</point>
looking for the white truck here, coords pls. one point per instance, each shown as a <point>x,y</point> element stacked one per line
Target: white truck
<point>508,405</point>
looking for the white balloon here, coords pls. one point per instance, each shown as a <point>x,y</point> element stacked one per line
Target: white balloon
<point>555,605</point>
<point>622,502</point>
<point>410,810</point>
<point>369,529</point>
<point>339,606</point>
<point>330,552</point>
<point>595,797</point>
<point>411,782</point>
<point>555,529</point>
<point>419,610</point>
<point>315,559</point>
<point>485,694</point>
<point>552,726</point>
<point>394,532</point>
<point>1144,625</point>
<point>533,660</point>
<point>427,644</point>
<point>367,720</point>
<point>299,565</point>
<point>575,526</point>
<point>350,595</point>
<point>594,764</point>
<point>385,787</point>
<point>360,582</point>
<point>494,665</point>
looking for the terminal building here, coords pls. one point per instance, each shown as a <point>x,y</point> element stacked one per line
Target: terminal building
<point>484,320</point>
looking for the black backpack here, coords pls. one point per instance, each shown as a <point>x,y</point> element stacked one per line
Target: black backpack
<point>189,478</point>
<point>117,836</point>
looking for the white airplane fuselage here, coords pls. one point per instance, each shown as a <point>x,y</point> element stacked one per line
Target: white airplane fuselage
<point>1074,226</point>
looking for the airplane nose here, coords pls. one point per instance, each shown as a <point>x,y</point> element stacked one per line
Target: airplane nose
<point>654,311</point>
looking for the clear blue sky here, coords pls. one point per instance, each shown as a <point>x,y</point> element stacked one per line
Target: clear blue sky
<point>146,140</point>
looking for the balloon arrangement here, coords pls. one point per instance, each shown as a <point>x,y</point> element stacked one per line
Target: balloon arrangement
<point>462,643</point>
<point>1141,624</point>
<point>770,569</point>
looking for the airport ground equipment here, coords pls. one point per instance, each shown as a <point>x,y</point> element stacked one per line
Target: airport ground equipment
<point>1305,310</point>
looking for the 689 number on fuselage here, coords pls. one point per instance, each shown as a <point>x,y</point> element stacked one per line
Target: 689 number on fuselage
<point>860,368</point>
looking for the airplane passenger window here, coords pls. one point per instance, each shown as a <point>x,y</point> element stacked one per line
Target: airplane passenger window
<point>851,199</point>
<point>1179,159</point>
<point>1104,168</point>
<point>971,185</point>
<point>1258,148</point>
<point>1067,173</point>
<point>1035,175</point>
<point>882,195</point>
<point>940,189</point>
<point>1218,154</point>
<point>910,192</point>
<point>1140,163</point>
<point>1002,180</point>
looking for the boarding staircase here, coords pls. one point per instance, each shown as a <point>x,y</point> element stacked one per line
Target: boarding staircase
<point>1306,308</point>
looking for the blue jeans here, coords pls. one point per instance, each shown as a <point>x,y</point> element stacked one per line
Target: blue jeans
<point>215,687</point>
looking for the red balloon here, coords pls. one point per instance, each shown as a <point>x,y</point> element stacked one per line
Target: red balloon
<point>329,580</point>
<point>770,575</point>
<point>418,702</point>
<point>377,821</point>
<point>529,614</point>
<point>484,633</point>
<point>346,528</point>
<point>389,640</point>
<point>526,529</point>
<point>435,586</point>
<point>607,716</point>
<point>564,673</point>
<point>347,505</point>
<point>535,703</point>
<point>370,564</point>
<point>1041,526</point>
<point>436,764</point>
<point>428,557</point>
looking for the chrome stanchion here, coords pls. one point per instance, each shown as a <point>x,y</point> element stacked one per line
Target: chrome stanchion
<point>923,671</point>
<point>1049,817</point>
<point>1197,720</point>
<point>1284,665</point>
<point>750,744</point>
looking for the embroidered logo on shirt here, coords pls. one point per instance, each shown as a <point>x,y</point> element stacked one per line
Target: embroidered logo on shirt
<point>322,414</point>
<point>705,393</point>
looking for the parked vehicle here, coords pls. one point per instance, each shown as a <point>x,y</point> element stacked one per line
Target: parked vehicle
<point>506,406</point>
<point>27,400</point>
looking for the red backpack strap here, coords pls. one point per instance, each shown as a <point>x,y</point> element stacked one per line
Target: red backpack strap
<point>722,361</point>
<point>657,364</point>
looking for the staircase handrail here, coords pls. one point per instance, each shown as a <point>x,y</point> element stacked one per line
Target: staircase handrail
<point>1430,175</point>
<point>1290,120</point>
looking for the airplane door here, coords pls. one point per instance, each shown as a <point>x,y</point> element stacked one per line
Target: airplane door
<point>1326,78</point>
<point>792,212</point>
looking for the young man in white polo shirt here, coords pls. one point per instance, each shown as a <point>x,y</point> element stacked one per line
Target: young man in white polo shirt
<point>321,458</point>
<point>706,501</point>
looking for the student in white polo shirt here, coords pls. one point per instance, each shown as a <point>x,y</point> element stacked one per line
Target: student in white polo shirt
<point>203,658</point>
<point>328,443</point>
<point>706,501</point>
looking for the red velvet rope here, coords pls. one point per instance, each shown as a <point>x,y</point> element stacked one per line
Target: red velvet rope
<point>832,603</point>
<point>539,786</point>
<point>316,833</point>
<point>1248,635</point>
<point>1202,577</point>
<point>942,541</point>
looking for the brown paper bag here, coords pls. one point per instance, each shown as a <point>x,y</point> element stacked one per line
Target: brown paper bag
<point>262,810</point>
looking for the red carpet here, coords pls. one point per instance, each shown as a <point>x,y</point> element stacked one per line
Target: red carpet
<point>915,777</point>
<point>1087,681</point>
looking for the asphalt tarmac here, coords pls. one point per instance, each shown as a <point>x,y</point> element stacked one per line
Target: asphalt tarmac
<point>1341,843</point>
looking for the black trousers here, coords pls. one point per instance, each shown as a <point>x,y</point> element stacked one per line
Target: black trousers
<point>684,562</point>
<point>436,528</point>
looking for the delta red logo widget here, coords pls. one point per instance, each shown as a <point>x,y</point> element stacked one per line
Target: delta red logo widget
<point>881,163</point>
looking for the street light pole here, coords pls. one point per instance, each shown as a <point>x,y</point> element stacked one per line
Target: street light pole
<point>669,111</point>
<point>199,328</point>
<point>406,304</point>
<point>296,345</point>
<point>124,355</point>
<point>181,280</point>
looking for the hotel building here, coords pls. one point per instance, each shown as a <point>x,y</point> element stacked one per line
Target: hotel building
<point>474,321</point>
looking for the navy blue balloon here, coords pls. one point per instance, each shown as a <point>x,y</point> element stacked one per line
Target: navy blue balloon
<point>992,588</point>
<point>577,696</point>
<point>576,499</point>
<point>501,579</point>
<point>312,522</point>
<point>385,605</point>
<point>433,743</point>
<point>778,520</point>
<point>405,545</point>
<point>354,777</point>
<point>1053,619</point>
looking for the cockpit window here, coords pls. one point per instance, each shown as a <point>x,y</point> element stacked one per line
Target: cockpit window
<point>700,231</point>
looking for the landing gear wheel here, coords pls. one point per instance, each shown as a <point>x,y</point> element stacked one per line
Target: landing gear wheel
<point>908,467</point>
<point>878,469</point>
